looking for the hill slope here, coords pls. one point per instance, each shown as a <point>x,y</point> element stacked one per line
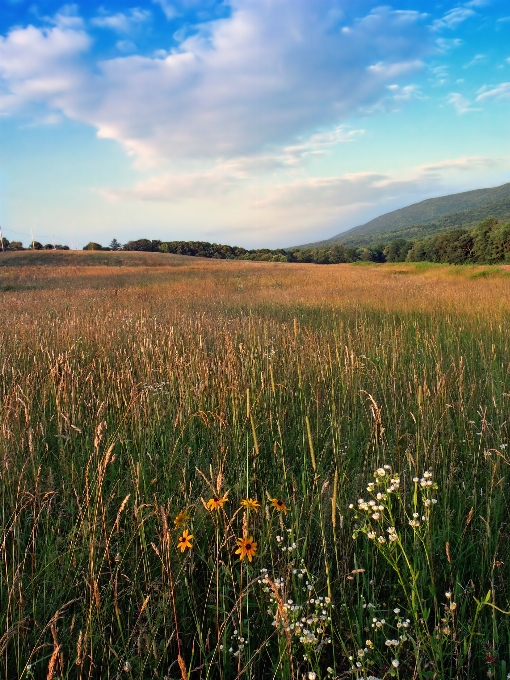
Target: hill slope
<point>428,217</point>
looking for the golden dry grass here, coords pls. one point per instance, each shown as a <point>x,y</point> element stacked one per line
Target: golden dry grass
<point>119,380</point>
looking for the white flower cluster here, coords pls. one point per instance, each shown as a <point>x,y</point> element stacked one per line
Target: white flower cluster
<point>238,641</point>
<point>426,480</point>
<point>363,660</point>
<point>285,548</point>
<point>308,622</point>
<point>379,510</point>
<point>157,387</point>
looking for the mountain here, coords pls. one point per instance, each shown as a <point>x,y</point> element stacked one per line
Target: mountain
<point>426,218</point>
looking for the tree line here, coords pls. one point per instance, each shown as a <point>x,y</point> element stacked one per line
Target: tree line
<point>486,243</point>
<point>34,245</point>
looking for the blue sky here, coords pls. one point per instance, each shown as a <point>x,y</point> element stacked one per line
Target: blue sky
<point>249,122</point>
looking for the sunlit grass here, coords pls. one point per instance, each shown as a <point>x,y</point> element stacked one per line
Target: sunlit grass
<point>244,407</point>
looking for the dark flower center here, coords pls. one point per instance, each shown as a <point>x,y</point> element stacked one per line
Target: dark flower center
<point>248,546</point>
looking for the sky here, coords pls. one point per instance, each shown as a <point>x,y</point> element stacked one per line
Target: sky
<point>259,123</point>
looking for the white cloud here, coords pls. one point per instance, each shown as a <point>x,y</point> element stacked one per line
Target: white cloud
<point>461,104</point>
<point>502,91</point>
<point>169,8</point>
<point>269,73</point>
<point>173,8</point>
<point>314,208</point>
<point>447,44</point>
<point>232,179</point>
<point>476,60</point>
<point>41,66</point>
<point>122,23</point>
<point>454,17</point>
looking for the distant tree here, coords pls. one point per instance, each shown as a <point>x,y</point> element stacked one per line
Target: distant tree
<point>49,246</point>
<point>397,250</point>
<point>16,245</point>
<point>142,244</point>
<point>115,245</point>
<point>35,245</point>
<point>93,246</point>
<point>499,243</point>
<point>4,245</point>
<point>482,236</point>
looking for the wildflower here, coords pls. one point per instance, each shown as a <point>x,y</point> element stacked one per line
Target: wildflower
<point>250,504</point>
<point>395,663</point>
<point>181,518</point>
<point>217,502</point>
<point>247,548</point>
<point>184,540</point>
<point>381,472</point>
<point>279,505</point>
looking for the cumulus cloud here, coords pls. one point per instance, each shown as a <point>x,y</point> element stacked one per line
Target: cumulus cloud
<point>42,66</point>
<point>270,72</point>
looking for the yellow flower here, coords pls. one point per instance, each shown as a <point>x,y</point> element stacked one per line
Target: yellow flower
<point>217,502</point>
<point>181,518</point>
<point>247,548</point>
<point>279,505</point>
<point>250,504</point>
<point>184,540</point>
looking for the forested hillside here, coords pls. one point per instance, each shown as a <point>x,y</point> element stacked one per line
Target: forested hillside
<point>428,217</point>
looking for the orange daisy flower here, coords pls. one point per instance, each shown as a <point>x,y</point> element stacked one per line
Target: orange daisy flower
<point>184,541</point>
<point>279,505</point>
<point>250,504</point>
<point>247,548</point>
<point>217,502</point>
<point>181,518</point>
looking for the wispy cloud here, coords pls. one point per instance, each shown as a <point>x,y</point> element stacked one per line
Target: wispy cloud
<point>121,22</point>
<point>499,92</point>
<point>476,60</point>
<point>454,17</point>
<point>447,44</point>
<point>461,104</point>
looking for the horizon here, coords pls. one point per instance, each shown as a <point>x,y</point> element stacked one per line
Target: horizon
<point>257,124</point>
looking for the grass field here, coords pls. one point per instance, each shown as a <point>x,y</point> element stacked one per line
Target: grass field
<point>143,396</point>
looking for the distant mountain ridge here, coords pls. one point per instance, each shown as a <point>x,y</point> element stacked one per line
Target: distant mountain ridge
<point>427,217</point>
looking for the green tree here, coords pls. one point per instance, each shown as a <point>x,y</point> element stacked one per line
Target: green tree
<point>93,246</point>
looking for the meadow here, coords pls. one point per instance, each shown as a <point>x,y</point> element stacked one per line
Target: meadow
<point>225,469</point>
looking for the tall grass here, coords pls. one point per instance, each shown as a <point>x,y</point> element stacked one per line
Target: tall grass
<point>132,394</point>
